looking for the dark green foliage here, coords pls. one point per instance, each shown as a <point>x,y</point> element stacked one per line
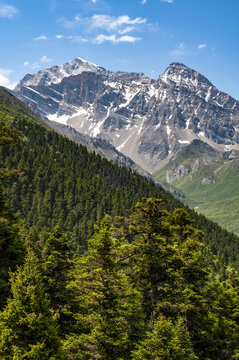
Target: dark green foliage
<point>57,263</point>
<point>142,290</point>
<point>63,183</point>
<point>168,341</point>
<point>11,246</point>
<point>28,329</point>
<point>169,271</point>
<point>165,257</point>
<point>109,318</point>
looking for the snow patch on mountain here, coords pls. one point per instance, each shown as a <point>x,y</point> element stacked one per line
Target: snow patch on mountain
<point>148,120</point>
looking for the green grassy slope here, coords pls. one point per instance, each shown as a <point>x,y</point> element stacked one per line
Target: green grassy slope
<point>211,187</point>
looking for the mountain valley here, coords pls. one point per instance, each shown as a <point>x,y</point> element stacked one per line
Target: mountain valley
<point>149,125</point>
<point>124,275</point>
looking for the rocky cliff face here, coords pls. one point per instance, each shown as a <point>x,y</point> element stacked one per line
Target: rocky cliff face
<point>99,146</point>
<point>148,120</point>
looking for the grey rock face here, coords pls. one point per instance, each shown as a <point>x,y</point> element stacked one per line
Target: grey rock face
<point>178,172</point>
<point>206,181</point>
<point>148,120</point>
<point>99,146</point>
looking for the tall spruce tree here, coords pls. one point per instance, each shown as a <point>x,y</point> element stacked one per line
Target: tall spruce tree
<point>28,329</point>
<point>109,320</point>
<point>166,257</point>
<point>56,263</point>
<point>168,341</point>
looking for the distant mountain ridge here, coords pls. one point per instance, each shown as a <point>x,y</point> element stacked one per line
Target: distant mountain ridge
<point>148,120</point>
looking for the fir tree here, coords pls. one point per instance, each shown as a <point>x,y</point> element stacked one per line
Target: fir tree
<point>168,341</point>
<point>109,319</point>
<point>57,263</point>
<point>28,329</point>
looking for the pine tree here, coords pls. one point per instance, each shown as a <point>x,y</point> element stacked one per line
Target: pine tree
<point>28,329</point>
<point>56,263</point>
<point>109,320</point>
<point>168,341</point>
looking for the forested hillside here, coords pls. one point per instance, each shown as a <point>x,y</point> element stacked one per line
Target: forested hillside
<point>62,183</point>
<point>139,288</point>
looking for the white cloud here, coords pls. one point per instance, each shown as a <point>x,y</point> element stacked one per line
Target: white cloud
<point>7,11</point>
<point>35,66</point>
<point>4,74</point>
<point>143,2</point>
<point>114,39</point>
<point>168,1</point>
<point>121,24</point>
<point>45,59</point>
<point>78,39</point>
<point>110,23</point>
<point>94,1</point>
<point>42,37</point>
<point>41,62</point>
<point>26,63</point>
<point>126,30</point>
<point>12,85</point>
<point>202,46</point>
<point>4,79</point>
<point>101,28</point>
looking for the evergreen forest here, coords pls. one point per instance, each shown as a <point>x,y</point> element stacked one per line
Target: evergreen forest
<point>97,262</point>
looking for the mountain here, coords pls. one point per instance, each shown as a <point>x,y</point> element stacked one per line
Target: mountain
<point>207,180</point>
<point>64,183</point>
<point>148,120</point>
<point>56,74</point>
<point>99,146</point>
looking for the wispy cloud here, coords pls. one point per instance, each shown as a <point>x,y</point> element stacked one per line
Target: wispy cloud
<point>202,46</point>
<point>112,23</point>
<point>45,59</point>
<point>5,78</point>
<point>143,2</point>
<point>103,22</point>
<point>80,39</point>
<point>127,30</point>
<point>7,11</point>
<point>42,37</point>
<point>26,63</point>
<point>168,1</point>
<point>100,28</point>
<point>75,38</point>
<point>40,63</point>
<point>114,39</point>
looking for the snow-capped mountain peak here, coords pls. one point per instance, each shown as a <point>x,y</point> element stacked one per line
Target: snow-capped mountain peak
<point>55,74</point>
<point>181,75</point>
<point>147,120</point>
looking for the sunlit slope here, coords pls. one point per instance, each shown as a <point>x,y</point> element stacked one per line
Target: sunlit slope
<point>206,180</point>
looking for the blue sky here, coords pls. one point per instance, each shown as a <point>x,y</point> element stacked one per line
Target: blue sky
<point>127,35</point>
